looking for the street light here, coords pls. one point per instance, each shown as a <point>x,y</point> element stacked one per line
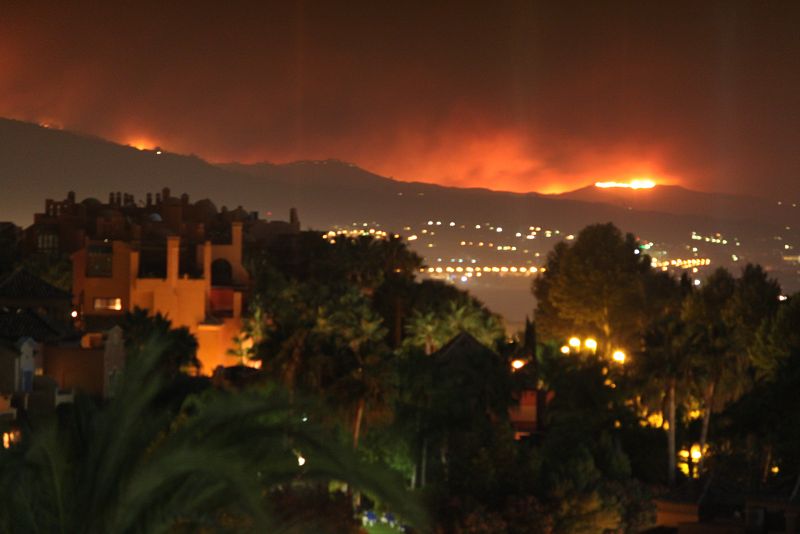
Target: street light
<point>590,344</point>
<point>564,349</point>
<point>618,356</point>
<point>518,364</point>
<point>574,342</point>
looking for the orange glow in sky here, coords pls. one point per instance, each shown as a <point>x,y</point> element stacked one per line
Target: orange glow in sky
<point>141,143</point>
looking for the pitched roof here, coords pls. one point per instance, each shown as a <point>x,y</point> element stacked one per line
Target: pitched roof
<point>23,322</point>
<point>24,284</point>
<point>463,343</point>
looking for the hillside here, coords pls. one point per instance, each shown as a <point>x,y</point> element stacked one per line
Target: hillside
<point>38,163</point>
<point>679,200</point>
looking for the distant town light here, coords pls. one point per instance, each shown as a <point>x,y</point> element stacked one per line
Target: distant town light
<point>574,342</point>
<point>590,344</point>
<point>565,350</point>
<point>618,356</point>
<point>518,364</point>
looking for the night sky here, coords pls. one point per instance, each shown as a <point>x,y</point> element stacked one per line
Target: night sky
<point>519,96</point>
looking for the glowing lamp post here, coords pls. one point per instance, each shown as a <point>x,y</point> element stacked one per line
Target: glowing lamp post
<point>619,357</point>
<point>518,364</point>
<point>574,342</point>
<point>590,344</point>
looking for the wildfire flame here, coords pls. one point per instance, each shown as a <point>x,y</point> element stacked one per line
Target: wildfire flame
<point>633,184</point>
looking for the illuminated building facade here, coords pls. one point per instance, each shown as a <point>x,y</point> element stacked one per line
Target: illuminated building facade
<point>170,256</point>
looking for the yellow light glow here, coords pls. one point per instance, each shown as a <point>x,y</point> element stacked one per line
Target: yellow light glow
<point>775,469</point>
<point>656,420</point>
<point>618,356</point>
<point>643,183</point>
<point>518,364</point>
<point>590,344</point>
<point>564,349</point>
<point>574,342</point>
<point>696,452</point>
<point>684,454</point>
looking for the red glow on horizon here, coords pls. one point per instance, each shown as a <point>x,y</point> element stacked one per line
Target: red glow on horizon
<point>141,143</point>
<point>638,183</point>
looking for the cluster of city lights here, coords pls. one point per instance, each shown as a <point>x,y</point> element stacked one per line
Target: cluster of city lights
<point>372,232</point>
<point>716,239</point>
<point>681,263</point>
<point>477,270</point>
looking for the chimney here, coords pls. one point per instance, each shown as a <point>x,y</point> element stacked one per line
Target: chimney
<point>236,237</point>
<point>111,199</point>
<point>173,258</point>
<point>207,266</point>
<point>149,199</point>
<point>134,265</point>
<point>165,194</point>
<point>294,219</point>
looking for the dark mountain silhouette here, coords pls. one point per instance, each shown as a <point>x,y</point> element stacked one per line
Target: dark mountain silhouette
<point>679,200</point>
<point>37,162</point>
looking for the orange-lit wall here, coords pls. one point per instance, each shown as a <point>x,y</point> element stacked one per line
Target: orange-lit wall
<point>184,301</point>
<point>233,254</point>
<point>75,368</point>
<point>86,289</point>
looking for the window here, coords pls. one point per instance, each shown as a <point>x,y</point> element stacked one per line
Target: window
<point>98,261</point>
<point>47,243</point>
<point>108,303</point>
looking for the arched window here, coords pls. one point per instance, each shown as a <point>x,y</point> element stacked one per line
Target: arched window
<point>221,273</point>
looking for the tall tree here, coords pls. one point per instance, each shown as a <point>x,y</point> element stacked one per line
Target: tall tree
<point>668,359</point>
<point>359,338</point>
<point>594,287</point>
<point>720,366</point>
<point>754,303</point>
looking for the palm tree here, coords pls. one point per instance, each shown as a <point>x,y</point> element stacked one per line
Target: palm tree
<point>131,466</point>
<point>426,330</point>
<point>181,345</point>
<point>669,352</point>
<point>359,331</point>
<point>721,367</point>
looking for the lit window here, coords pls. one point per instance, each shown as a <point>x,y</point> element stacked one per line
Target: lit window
<point>104,303</point>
